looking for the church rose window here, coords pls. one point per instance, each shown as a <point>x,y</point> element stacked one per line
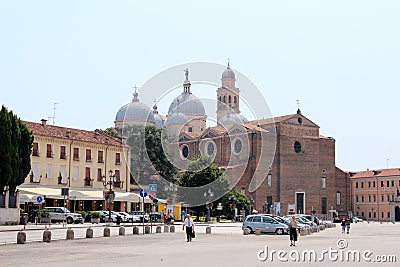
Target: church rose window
<point>237,146</point>
<point>297,147</point>
<point>210,148</point>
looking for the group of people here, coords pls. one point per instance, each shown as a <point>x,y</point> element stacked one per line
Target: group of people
<point>345,224</point>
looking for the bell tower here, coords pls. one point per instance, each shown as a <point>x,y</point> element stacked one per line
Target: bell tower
<point>227,94</point>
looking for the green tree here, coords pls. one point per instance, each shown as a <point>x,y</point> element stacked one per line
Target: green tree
<point>148,159</point>
<point>201,171</point>
<point>234,199</point>
<point>15,150</point>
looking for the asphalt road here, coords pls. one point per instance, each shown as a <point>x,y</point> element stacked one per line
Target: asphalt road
<point>226,246</point>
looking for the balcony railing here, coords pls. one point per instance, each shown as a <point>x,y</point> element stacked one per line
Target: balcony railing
<point>49,154</point>
<point>35,152</point>
<point>119,184</point>
<point>88,159</point>
<point>76,157</point>
<point>88,182</point>
<point>63,155</point>
<point>100,160</point>
<point>60,181</point>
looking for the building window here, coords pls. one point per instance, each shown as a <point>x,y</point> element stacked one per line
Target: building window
<point>237,146</point>
<point>338,202</point>
<point>243,191</point>
<point>76,153</point>
<point>392,183</point>
<point>185,151</point>
<point>229,99</point>
<point>100,157</point>
<point>63,155</point>
<point>35,149</point>
<point>75,173</point>
<point>297,147</point>
<point>224,99</point>
<point>383,215</point>
<point>388,214</point>
<point>382,198</point>
<point>210,148</point>
<point>324,205</point>
<point>387,183</point>
<point>369,215</point>
<point>369,184</point>
<point>117,158</point>
<point>356,184</point>
<point>323,182</point>
<point>373,184</point>
<point>392,197</point>
<point>49,151</point>
<point>88,180</point>
<point>382,184</point>
<point>362,184</point>
<point>88,155</point>
<point>234,99</point>
<point>362,199</point>
<point>369,198</point>
<point>269,180</point>
<point>388,197</point>
<point>374,198</point>
<point>63,174</point>
<point>374,214</point>
<point>190,129</point>
<point>117,175</point>
<point>99,175</point>
<point>49,170</point>
<point>356,199</point>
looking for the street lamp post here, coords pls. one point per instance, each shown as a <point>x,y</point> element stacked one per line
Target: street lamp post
<point>171,189</point>
<point>208,195</point>
<point>233,206</point>
<point>110,195</point>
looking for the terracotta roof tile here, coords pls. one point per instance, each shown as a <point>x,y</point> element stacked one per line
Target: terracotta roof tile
<point>375,173</point>
<point>96,136</point>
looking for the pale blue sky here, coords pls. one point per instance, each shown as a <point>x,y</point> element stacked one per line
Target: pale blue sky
<point>340,58</point>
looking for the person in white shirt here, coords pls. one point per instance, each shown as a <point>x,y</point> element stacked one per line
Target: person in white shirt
<point>188,223</point>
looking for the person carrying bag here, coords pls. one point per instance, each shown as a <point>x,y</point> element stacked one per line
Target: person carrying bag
<point>189,224</point>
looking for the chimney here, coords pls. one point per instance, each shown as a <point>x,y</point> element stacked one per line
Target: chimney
<point>44,122</point>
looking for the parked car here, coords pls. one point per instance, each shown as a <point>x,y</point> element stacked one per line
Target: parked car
<point>59,214</point>
<point>126,217</point>
<point>265,223</point>
<point>356,220</point>
<point>317,221</point>
<point>104,216</point>
<point>141,215</point>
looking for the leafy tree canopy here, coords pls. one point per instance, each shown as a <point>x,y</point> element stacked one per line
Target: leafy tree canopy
<point>15,150</point>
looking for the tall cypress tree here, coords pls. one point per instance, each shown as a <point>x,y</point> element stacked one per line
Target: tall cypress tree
<point>15,150</point>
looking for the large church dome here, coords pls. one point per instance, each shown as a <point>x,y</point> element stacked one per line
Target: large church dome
<point>134,112</point>
<point>228,73</point>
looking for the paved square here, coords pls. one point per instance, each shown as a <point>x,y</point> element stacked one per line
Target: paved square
<point>226,246</point>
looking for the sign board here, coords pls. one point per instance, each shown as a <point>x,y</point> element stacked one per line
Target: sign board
<point>152,187</point>
<point>143,193</point>
<point>219,207</point>
<point>65,191</point>
<point>152,195</point>
<point>39,199</point>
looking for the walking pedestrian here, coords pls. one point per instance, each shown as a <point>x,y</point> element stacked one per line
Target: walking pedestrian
<point>293,231</point>
<point>188,223</point>
<point>348,225</point>
<point>343,225</point>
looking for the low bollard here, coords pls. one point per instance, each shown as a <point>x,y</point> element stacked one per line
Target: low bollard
<point>70,234</point>
<point>166,229</point>
<point>122,230</point>
<point>107,232</point>
<point>258,231</point>
<point>47,236</point>
<point>158,229</point>
<point>246,231</point>
<point>172,229</point>
<point>21,237</point>
<point>89,233</point>
<point>303,232</point>
<point>208,230</point>
<point>147,230</point>
<point>135,230</point>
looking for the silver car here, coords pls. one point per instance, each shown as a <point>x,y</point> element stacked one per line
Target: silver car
<point>265,223</point>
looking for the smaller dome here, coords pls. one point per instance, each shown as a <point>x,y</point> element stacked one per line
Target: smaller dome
<point>134,112</point>
<point>232,118</point>
<point>228,73</point>
<point>176,118</point>
<point>159,119</point>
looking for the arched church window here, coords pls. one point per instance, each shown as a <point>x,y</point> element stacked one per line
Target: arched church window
<point>234,100</point>
<point>229,99</point>
<point>224,99</point>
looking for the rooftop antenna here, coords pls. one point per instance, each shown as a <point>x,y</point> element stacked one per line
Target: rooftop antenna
<point>298,103</point>
<point>54,113</point>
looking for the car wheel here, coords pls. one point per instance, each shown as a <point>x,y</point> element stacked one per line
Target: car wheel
<point>250,230</point>
<point>70,220</point>
<point>279,231</point>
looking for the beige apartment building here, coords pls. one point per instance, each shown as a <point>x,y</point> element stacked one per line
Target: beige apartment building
<point>76,159</point>
<point>375,194</point>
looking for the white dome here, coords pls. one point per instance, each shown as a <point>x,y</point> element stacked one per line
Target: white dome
<point>176,118</point>
<point>135,112</point>
<point>158,118</point>
<point>188,103</point>
<point>228,73</point>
